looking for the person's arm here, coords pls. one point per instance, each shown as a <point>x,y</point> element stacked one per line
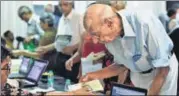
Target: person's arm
<point>110,71</point>
<point>77,56</point>
<point>26,53</point>
<point>45,49</point>
<point>159,47</point>
<point>158,81</point>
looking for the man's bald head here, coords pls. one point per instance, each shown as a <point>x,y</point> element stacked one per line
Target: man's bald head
<point>95,13</point>
<point>102,23</point>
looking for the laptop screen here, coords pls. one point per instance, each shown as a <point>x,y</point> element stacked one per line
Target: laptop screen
<point>24,68</point>
<point>120,90</point>
<point>37,70</point>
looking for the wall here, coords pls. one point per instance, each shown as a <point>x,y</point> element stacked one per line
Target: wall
<point>10,19</point>
<point>155,7</point>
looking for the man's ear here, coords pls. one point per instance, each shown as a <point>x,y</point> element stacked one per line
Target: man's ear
<point>109,22</point>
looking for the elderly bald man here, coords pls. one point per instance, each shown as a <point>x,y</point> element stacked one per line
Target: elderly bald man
<point>138,43</point>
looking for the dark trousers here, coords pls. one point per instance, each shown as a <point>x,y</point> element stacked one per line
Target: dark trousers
<point>51,57</point>
<point>61,70</point>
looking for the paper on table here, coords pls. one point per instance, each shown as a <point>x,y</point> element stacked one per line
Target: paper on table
<point>94,85</point>
<point>15,65</point>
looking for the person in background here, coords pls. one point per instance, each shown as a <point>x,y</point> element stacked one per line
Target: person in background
<point>173,22</point>
<point>51,9</point>
<point>34,31</point>
<point>67,39</point>
<point>47,24</point>
<point>164,20</point>
<point>136,45</point>
<point>5,67</point>
<point>176,7</point>
<point>9,38</point>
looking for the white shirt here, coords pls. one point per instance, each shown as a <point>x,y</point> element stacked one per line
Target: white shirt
<point>71,25</point>
<point>145,45</point>
<point>33,27</point>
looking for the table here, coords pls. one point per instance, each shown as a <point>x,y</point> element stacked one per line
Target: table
<point>59,83</point>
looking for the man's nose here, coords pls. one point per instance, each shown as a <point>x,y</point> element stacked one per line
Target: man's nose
<point>95,40</point>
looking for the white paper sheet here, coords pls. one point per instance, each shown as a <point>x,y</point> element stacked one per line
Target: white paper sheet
<point>88,66</point>
<point>15,64</point>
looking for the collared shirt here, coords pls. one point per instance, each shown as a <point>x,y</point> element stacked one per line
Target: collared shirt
<point>145,43</point>
<point>48,37</point>
<point>33,27</point>
<point>69,26</point>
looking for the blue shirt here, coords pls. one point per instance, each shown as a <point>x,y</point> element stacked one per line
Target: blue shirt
<point>145,43</point>
<point>33,28</point>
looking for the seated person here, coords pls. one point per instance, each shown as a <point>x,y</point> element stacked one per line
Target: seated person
<point>9,38</point>
<point>46,22</point>
<point>5,69</point>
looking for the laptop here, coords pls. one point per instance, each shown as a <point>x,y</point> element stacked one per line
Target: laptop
<point>25,67</point>
<point>34,75</point>
<point>120,90</point>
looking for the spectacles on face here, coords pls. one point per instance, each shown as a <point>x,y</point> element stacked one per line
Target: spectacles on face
<point>98,34</point>
<point>7,67</point>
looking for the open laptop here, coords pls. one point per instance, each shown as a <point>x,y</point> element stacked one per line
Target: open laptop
<point>25,67</point>
<point>120,90</point>
<point>34,75</point>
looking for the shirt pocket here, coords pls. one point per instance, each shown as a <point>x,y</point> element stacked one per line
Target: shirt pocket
<point>141,61</point>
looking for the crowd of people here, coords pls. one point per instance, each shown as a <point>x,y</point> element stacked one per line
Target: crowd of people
<point>138,51</point>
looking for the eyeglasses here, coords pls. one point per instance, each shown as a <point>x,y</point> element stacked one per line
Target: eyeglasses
<point>7,67</point>
<point>97,34</point>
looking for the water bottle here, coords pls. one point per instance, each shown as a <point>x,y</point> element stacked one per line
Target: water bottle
<point>50,79</point>
<point>67,83</point>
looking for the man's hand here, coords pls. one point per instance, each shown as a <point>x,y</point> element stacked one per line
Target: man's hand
<point>28,39</point>
<point>69,64</point>
<point>17,52</point>
<point>88,77</point>
<point>42,50</point>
